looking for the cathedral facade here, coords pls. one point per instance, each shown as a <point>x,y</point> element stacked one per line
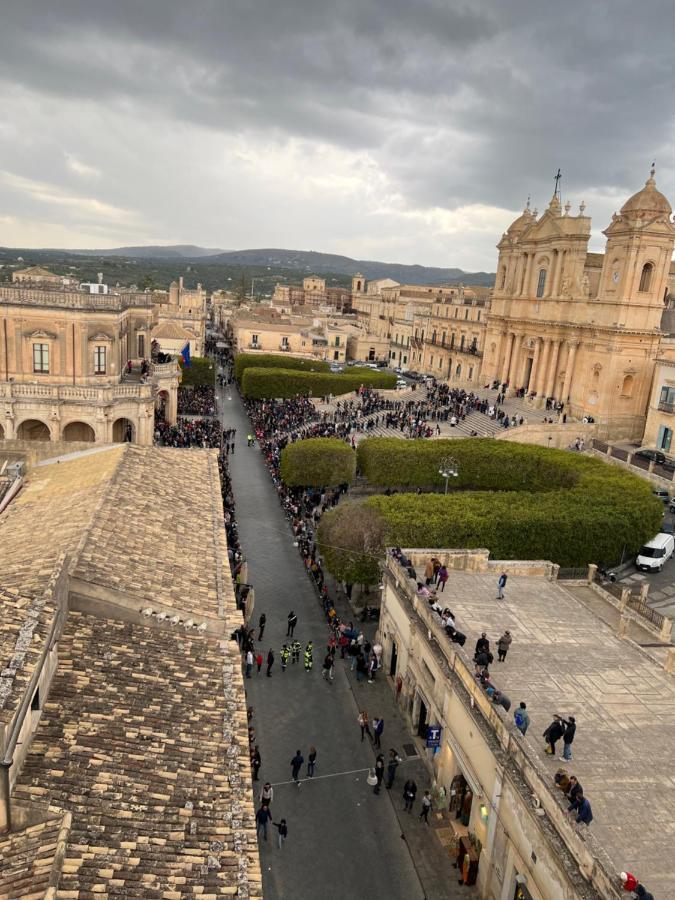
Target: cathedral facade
<point>578,328</point>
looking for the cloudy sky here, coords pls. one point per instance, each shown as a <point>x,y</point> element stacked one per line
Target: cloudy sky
<point>382,129</point>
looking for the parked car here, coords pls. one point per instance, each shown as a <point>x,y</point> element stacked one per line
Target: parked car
<point>654,555</point>
<point>335,368</point>
<point>662,495</point>
<point>401,383</point>
<point>671,504</point>
<point>657,456</point>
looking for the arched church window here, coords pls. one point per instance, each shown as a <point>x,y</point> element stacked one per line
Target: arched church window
<point>627,386</point>
<point>541,282</point>
<point>646,277</point>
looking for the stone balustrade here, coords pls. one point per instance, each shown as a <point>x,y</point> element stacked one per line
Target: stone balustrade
<point>74,299</point>
<point>74,393</point>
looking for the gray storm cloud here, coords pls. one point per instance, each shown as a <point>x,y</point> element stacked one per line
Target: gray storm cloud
<point>370,127</point>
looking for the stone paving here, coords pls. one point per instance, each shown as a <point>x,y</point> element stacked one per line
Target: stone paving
<point>565,660</point>
<point>343,841</point>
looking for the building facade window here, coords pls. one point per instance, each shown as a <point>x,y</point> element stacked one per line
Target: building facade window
<point>254,338</point>
<point>337,340</point>
<point>667,398</point>
<point>41,358</point>
<point>99,360</point>
<point>541,283</point>
<point>664,438</point>
<point>141,346</point>
<point>646,278</point>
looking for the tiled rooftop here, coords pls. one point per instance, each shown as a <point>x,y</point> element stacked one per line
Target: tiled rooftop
<point>565,660</point>
<point>143,521</point>
<point>30,859</point>
<point>144,740</point>
<point>24,624</point>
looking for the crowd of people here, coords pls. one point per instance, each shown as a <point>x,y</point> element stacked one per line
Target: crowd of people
<point>199,400</point>
<point>204,433</point>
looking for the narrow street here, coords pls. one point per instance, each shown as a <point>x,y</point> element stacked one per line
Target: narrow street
<point>343,840</point>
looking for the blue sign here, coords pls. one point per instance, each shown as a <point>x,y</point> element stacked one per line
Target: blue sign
<point>434,736</point>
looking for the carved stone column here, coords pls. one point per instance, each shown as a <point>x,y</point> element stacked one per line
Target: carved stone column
<point>569,369</point>
<point>555,353</point>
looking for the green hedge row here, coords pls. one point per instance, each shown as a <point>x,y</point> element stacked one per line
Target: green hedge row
<point>520,501</point>
<point>199,373</point>
<point>318,462</point>
<point>259,384</point>
<point>245,361</point>
<point>482,464</point>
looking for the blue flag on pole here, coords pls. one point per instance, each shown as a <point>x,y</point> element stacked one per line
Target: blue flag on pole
<point>185,354</point>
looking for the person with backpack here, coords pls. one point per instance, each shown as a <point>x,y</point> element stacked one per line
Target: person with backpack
<point>409,794</point>
<point>521,718</point>
<point>426,806</point>
<point>501,584</point>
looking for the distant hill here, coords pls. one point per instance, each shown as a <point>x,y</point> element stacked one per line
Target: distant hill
<point>159,251</point>
<point>302,261</point>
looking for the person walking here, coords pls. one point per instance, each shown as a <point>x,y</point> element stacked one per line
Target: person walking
<point>409,794</point>
<point>262,817</point>
<point>365,725</point>
<point>292,622</point>
<point>270,662</point>
<point>501,584</point>
<point>327,668</point>
<point>256,762</point>
<point>426,806</point>
<point>261,626</point>
<point>311,761</point>
<point>503,645</point>
<point>284,653</point>
<point>378,728</point>
<point>309,657</point>
<point>259,662</point>
<point>361,667</point>
<point>296,647</point>
<point>553,733</point>
<point>521,718</point>
<point>283,832</point>
<point>379,772</point>
<point>372,668</point>
<point>296,765</point>
<point>442,577</point>
<point>249,663</point>
<point>266,795</point>
<point>392,766</point>
<point>570,730</point>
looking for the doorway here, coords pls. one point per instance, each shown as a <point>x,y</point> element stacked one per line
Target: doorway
<point>528,373</point>
<point>394,659</point>
<point>422,720</point>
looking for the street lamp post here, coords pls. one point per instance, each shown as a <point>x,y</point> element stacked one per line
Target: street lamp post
<point>447,468</point>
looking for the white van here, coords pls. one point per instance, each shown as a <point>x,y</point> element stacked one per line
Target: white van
<point>653,556</point>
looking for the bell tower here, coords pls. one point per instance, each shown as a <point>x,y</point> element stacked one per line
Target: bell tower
<point>640,240</point>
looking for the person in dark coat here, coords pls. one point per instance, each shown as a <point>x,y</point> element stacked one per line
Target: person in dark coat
<point>570,730</point>
<point>582,808</point>
<point>392,766</point>
<point>409,794</point>
<point>553,733</point>
<point>482,644</point>
<point>261,626</point>
<point>379,772</point>
<point>574,789</point>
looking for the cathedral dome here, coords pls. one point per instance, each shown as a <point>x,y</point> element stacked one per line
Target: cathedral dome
<point>647,203</point>
<point>521,223</point>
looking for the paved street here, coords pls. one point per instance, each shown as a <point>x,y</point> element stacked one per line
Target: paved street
<point>343,840</point>
<point>661,596</point>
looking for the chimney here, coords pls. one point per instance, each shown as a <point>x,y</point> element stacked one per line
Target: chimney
<point>99,275</point>
<point>180,283</point>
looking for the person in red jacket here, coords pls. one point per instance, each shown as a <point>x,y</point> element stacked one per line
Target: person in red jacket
<point>628,882</point>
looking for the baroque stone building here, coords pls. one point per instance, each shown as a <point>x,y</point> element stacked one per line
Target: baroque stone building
<point>62,359</point>
<point>185,308</point>
<point>583,328</point>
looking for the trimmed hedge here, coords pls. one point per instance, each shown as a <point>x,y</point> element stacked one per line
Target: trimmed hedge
<point>245,361</point>
<point>199,373</point>
<point>318,462</point>
<point>262,384</point>
<point>483,464</point>
<point>568,508</point>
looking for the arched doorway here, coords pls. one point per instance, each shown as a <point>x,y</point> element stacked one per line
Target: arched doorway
<point>33,430</point>
<point>161,404</point>
<point>79,431</point>
<point>123,430</point>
